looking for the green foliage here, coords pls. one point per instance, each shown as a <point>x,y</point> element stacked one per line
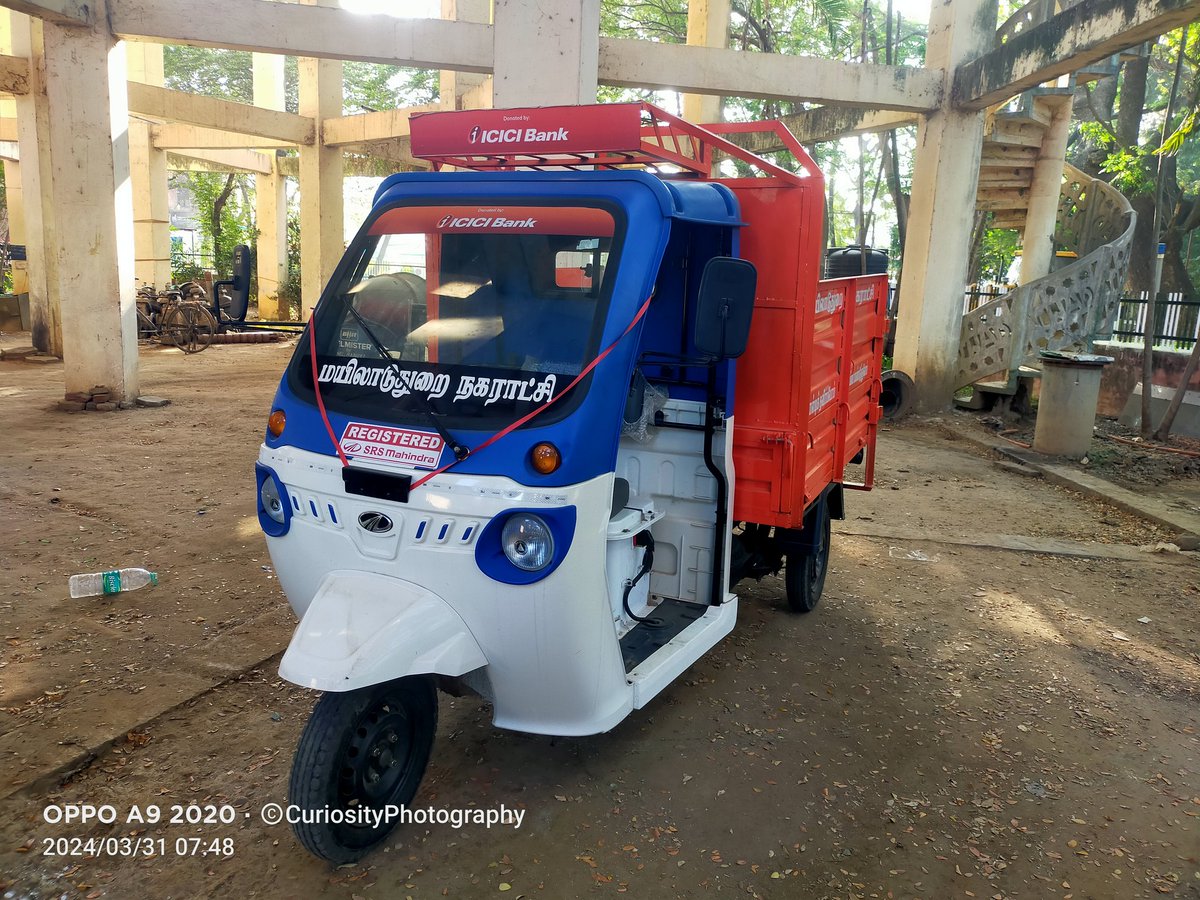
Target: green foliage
<point>369,87</point>
<point>215,73</point>
<point>997,252</point>
<point>1174,142</point>
<point>183,267</point>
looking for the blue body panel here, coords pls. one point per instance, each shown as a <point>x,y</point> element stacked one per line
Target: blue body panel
<point>589,436</point>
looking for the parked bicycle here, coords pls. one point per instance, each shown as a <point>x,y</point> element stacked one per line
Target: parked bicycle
<point>177,315</point>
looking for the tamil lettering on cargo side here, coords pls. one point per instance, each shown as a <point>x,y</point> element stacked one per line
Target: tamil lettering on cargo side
<point>388,379</point>
<point>522,390</point>
<point>821,399</point>
<point>830,301</point>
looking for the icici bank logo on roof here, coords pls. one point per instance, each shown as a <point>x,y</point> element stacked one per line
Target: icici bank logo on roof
<point>503,136</point>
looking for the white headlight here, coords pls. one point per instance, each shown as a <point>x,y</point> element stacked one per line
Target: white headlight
<point>527,542</point>
<point>272,503</point>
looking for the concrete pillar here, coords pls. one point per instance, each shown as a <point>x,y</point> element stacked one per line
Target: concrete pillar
<point>462,90</point>
<point>1041,216</point>
<point>546,54</point>
<point>270,198</point>
<point>945,177</point>
<point>148,176</point>
<point>708,26</point>
<point>92,237</point>
<point>321,200</point>
<point>36,174</point>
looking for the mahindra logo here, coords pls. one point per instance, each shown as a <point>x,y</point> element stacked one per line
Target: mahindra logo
<point>474,135</point>
<point>375,523</point>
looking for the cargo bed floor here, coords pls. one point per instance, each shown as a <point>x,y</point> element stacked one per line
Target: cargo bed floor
<point>644,639</point>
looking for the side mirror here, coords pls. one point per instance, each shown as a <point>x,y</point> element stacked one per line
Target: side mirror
<point>238,285</point>
<point>724,307</point>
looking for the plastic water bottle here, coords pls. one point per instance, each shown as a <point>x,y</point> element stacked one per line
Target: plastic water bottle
<point>112,582</point>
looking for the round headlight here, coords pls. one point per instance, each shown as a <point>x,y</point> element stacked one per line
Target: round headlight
<point>527,542</point>
<point>269,499</point>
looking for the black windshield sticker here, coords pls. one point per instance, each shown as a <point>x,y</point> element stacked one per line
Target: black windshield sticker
<point>455,388</point>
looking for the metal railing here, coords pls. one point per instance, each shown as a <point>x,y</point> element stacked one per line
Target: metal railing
<point>1177,326</point>
<point>1066,309</point>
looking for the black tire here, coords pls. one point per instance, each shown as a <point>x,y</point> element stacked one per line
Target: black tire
<point>804,574</point>
<point>347,758</point>
<point>896,394</point>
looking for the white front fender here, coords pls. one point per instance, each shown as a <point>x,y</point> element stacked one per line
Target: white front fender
<point>363,629</point>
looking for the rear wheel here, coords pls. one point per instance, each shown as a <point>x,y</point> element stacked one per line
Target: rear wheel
<point>804,574</point>
<point>189,326</point>
<point>362,750</point>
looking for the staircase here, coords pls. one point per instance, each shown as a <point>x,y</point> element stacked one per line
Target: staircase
<point>1070,307</point>
<point>1065,310</point>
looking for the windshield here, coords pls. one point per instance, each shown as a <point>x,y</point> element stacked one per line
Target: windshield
<point>468,312</point>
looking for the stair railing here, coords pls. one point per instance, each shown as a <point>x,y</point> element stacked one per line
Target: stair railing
<point>1065,310</point>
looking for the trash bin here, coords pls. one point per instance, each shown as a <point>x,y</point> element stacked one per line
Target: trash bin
<point>1066,412</point>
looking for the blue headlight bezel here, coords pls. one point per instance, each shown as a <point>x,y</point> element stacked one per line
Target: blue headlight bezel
<point>269,525</point>
<point>489,549</point>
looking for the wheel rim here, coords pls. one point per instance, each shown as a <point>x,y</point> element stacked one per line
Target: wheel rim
<point>377,757</point>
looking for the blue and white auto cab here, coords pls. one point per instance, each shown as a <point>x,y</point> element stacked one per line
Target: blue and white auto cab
<point>500,458</point>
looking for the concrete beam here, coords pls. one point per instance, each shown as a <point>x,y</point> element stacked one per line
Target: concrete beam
<point>219,161</point>
<point>828,123</point>
<point>224,115</point>
<point>264,26</point>
<point>14,75</point>
<point>368,127</point>
<point>713,70</point>
<point>178,136</point>
<point>1089,31</point>
<point>58,12</point>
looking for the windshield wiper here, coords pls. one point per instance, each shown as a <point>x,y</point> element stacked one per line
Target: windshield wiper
<point>460,451</point>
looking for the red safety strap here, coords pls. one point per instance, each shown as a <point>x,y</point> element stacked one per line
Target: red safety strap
<point>312,345</point>
<point>312,350</point>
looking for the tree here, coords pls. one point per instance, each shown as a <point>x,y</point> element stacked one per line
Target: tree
<point>1121,139</point>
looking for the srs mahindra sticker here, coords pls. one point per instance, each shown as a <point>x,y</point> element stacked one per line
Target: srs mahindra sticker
<point>398,446</point>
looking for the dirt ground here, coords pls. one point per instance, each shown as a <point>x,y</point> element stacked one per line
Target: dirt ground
<point>954,720</point>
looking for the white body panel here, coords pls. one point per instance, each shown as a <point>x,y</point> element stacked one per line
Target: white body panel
<point>413,600</point>
<point>363,628</point>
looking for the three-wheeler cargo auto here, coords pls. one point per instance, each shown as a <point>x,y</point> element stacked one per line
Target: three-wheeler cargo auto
<point>559,396</point>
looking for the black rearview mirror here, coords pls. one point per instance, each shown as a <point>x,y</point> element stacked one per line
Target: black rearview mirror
<point>237,287</point>
<point>724,307</point>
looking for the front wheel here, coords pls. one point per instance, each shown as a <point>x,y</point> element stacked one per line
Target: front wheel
<point>804,574</point>
<point>361,751</point>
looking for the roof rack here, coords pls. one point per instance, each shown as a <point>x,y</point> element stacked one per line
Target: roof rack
<point>610,136</point>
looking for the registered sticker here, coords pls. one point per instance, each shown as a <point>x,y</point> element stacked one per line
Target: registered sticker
<point>396,446</point>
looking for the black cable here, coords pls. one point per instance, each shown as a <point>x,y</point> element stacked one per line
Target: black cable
<point>646,540</point>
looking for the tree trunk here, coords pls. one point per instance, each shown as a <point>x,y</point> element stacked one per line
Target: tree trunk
<point>1141,249</point>
<point>1133,101</point>
<point>218,208</point>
